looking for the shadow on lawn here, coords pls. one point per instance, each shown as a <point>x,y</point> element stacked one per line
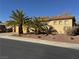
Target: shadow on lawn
<point>12,49</point>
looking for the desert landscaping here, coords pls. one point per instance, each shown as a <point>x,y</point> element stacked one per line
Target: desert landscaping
<point>55,38</point>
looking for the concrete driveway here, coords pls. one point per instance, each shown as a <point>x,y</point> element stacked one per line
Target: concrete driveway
<point>14,49</point>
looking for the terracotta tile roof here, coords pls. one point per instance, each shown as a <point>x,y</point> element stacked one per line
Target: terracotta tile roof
<point>49,18</point>
<point>61,17</point>
<point>44,17</point>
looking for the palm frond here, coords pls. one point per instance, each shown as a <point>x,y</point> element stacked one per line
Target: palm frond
<point>11,23</point>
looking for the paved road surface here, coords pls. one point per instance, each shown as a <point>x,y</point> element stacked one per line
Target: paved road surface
<point>12,49</point>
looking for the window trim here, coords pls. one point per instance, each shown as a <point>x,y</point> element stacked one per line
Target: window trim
<point>60,22</point>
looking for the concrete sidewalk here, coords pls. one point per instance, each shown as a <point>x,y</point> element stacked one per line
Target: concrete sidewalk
<point>60,44</point>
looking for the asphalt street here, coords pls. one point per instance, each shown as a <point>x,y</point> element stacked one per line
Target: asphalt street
<point>13,49</point>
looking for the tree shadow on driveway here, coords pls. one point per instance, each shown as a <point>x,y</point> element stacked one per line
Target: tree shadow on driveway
<point>12,49</point>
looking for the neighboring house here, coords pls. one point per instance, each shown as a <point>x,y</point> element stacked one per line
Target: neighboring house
<point>2,27</point>
<point>62,23</point>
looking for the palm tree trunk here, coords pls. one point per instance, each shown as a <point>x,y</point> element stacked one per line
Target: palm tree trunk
<point>14,28</point>
<point>28,29</point>
<point>36,31</point>
<point>20,29</point>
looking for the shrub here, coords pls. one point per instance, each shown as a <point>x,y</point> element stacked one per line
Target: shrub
<point>39,36</point>
<point>71,38</point>
<point>51,30</point>
<point>73,31</point>
<point>9,30</point>
<point>77,30</point>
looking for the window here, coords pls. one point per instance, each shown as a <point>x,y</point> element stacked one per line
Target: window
<point>66,22</point>
<point>60,22</point>
<point>67,28</point>
<point>54,22</point>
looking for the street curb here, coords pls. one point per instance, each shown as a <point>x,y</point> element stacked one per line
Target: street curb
<point>59,44</point>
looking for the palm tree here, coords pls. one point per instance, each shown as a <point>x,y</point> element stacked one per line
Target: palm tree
<point>38,26</point>
<point>18,18</point>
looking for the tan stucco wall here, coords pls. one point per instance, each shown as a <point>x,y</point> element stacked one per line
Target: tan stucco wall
<point>24,29</point>
<point>60,27</point>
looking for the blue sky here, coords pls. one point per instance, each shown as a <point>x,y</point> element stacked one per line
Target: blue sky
<point>39,7</point>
